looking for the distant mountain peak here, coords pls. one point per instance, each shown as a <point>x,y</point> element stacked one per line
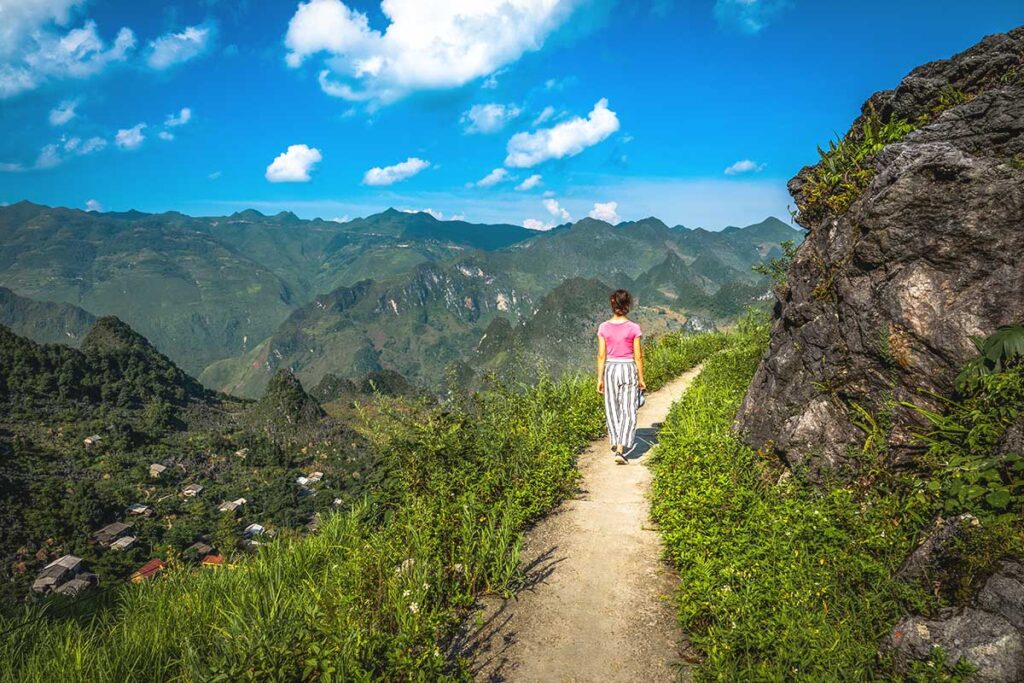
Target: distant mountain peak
<point>248,214</point>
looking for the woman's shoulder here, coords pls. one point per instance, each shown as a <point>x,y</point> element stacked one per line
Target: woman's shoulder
<point>635,327</point>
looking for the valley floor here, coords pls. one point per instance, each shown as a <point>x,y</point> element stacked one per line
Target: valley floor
<point>596,604</point>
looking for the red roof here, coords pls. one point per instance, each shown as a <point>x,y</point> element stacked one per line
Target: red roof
<point>149,569</point>
<point>213,559</point>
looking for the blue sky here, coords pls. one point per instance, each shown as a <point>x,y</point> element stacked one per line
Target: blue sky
<point>522,111</point>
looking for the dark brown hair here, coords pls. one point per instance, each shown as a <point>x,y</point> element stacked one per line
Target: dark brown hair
<point>620,300</point>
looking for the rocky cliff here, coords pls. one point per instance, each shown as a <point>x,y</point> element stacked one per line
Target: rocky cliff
<point>915,242</point>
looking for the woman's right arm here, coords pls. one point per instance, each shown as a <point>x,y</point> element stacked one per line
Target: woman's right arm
<point>602,351</point>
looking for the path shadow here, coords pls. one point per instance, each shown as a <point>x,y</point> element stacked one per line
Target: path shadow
<point>486,638</point>
<point>646,438</point>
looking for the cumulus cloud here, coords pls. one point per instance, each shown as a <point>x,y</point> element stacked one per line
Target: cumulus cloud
<point>176,48</point>
<point>93,205</point>
<point>556,210</point>
<point>496,176</point>
<point>744,166</point>
<point>489,118</point>
<point>426,45</point>
<point>36,45</point>
<point>748,16</point>
<point>179,119</point>
<point>388,175</point>
<point>165,135</point>
<point>534,224</point>
<point>607,212</point>
<point>49,156</point>
<point>63,112</point>
<point>568,138</point>
<point>530,183</point>
<point>293,165</point>
<point>130,138</point>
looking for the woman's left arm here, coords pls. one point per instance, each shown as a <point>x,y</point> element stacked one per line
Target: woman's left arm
<point>638,358</point>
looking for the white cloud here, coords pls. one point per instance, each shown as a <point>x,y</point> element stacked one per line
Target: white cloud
<point>744,166</point>
<point>165,135</point>
<point>607,212</point>
<point>341,219</point>
<point>179,119</point>
<point>556,210</point>
<point>36,45</point>
<point>544,115</point>
<point>489,118</point>
<point>293,165</point>
<point>214,175</point>
<point>566,139</point>
<point>439,215</point>
<point>176,48</point>
<point>534,224</point>
<point>426,45</point>
<point>749,16</point>
<point>496,176</point>
<point>63,112</point>
<point>130,138</point>
<point>91,145</point>
<point>93,205</point>
<point>49,156</point>
<point>389,175</point>
<point>530,183</point>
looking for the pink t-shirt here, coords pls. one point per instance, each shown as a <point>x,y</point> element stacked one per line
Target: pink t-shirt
<point>618,337</point>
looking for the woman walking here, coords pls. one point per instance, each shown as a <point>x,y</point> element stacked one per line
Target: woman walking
<point>620,374</point>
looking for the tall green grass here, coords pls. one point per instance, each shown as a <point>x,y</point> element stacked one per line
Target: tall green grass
<point>778,581</point>
<point>378,591</point>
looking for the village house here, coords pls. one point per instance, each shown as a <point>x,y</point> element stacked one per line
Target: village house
<point>111,533</point>
<point>253,530</point>
<point>232,505</point>
<point>201,549</point>
<point>138,509</point>
<point>59,571</point>
<point>192,490</point>
<point>213,561</point>
<point>148,570</point>
<point>156,469</point>
<point>80,583</point>
<point>91,441</point>
<point>123,543</point>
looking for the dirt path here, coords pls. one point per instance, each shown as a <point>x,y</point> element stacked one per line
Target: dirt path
<point>596,605</point>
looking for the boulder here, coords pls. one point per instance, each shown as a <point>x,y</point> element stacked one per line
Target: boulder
<point>987,634</point>
<point>884,295</point>
<point>937,548</point>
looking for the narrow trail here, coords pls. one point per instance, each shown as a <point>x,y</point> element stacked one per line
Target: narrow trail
<point>597,600</point>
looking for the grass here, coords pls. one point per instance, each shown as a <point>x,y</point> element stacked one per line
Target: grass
<point>844,170</point>
<point>779,582</point>
<point>379,590</point>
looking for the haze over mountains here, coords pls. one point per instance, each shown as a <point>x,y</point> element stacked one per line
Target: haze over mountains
<point>233,298</point>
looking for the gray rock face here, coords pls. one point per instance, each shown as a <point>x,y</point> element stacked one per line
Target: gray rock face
<point>936,548</point>
<point>986,634</point>
<point>1012,440</point>
<point>882,299</point>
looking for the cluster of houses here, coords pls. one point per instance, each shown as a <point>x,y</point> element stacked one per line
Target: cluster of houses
<point>66,574</point>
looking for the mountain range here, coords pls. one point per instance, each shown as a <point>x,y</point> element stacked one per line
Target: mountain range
<point>233,298</point>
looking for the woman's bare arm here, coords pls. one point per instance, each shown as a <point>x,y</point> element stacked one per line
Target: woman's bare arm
<point>602,352</point>
<point>638,358</point>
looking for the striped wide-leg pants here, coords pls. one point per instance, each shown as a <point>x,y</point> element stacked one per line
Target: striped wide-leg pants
<point>620,400</point>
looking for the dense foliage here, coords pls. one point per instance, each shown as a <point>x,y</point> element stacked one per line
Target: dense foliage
<point>783,581</point>
<point>376,592</point>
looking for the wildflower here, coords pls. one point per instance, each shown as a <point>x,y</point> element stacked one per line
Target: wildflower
<point>426,586</point>
<point>406,593</point>
<point>414,607</point>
